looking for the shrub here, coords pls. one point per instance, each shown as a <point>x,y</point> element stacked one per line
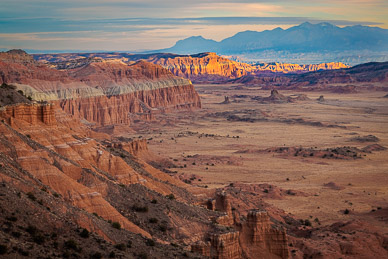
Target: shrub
<point>71,244</point>
<point>120,247</point>
<point>3,249</point>
<point>150,242</point>
<point>140,208</point>
<point>129,244</point>
<point>307,223</point>
<point>163,228</point>
<point>96,255</point>
<point>12,218</point>
<point>31,230</point>
<point>346,211</point>
<point>112,255</point>
<point>31,196</point>
<point>171,196</point>
<point>84,233</point>
<point>154,201</point>
<point>116,225</point>
<point>16,234</point>
<point>142,255</point>
<point>39,239</point>
<point>153,220</point>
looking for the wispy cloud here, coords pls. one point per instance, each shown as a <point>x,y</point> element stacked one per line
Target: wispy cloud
<point>154,24</point>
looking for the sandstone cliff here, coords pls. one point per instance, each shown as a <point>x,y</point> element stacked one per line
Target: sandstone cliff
<point>203,67</point>
<point>104,92</point>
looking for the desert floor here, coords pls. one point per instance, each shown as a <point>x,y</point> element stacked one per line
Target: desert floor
<point>214,160</point>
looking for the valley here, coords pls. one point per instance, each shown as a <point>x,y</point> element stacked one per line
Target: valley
<point>217,151</point>
<point>125,159</point>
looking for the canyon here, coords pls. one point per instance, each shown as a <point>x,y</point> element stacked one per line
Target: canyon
<point>125,158</point>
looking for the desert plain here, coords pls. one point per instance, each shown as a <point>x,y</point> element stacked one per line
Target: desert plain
<point>249,140</point>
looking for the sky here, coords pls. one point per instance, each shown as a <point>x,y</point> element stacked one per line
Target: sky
<point>135,25</point>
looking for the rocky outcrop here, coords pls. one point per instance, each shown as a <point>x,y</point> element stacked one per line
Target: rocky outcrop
<point>345,80</point>
<point>203,67</point>
<point>260,237</point>
<point>118,109</point>
<point>221,246</point>
<point>102,93</point>
<point>296,68</point>
<point>256,237</point>
<point>31,113</point>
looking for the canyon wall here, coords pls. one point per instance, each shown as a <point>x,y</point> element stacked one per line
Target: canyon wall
<point>31,113</point>
<point>117,109</point>
<point>102,93</point>
<point>203,67</point>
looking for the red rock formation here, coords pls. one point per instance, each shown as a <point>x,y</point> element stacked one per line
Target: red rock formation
<point>102,92</point>
<point>117,109</point>
<point>262,239</point>
<point>203,67</point>
<point>31,113</point>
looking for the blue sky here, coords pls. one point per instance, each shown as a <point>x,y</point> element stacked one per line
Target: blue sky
<point>124,25</point>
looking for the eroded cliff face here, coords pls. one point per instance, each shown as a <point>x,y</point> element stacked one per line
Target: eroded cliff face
<point>201,68</point>
<point>203,64</point>
<point>31,113</point>
<point>261,238</point>
<point>42,143</point>
<point>295,68</point>
<point>119,109</point>
<point>102,93</point>
<point>252,237</point>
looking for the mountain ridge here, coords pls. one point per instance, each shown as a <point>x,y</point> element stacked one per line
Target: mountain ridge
<point>304,38</point>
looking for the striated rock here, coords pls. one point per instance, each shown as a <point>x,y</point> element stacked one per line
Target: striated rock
<point>203,67</point>
<point>256,237</point>
<point>117,109</point>
<point>295,68</point>
<point>221,246</point>
<point>262,239</point>
<point>31,113</point>
<point>102,93</point>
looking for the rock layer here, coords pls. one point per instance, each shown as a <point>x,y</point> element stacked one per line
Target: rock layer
<point>118,109</point>
<point>103,93</point>
<point>203,67</point>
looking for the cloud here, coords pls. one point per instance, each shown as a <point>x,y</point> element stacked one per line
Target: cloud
<point>154,24</point>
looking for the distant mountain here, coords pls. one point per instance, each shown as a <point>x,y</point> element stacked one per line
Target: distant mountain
<point>319,41</point>
<point>195,44</point>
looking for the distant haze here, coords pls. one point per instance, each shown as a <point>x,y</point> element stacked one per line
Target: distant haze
<point>305,43</point>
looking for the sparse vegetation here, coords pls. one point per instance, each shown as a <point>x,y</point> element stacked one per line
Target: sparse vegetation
<point>71,244</point>
<point>84,233</point>
<point>96,255</point>
<point>3,249</point>
<point>150,242</point>
<point>121,247</point>
<point>153,220</point>
<point>139,208</point>
<point>31,196</point>
<point>170,196</point>
<point>116,225</point>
